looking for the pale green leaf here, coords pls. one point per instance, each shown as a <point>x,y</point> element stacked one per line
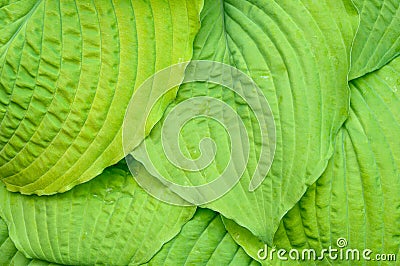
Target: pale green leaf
<point>9,255</point>
<point>67,72</point>
<point>7,248</point>
<point>109,220</point>
<point>378,37</point>
<point>263,253</point>
<point>202,241</point>
<point>298,53</point>
<point>245,239</point>
<point>357,197</point>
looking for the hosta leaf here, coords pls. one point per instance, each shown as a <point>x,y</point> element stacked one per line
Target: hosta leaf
<point>377,40</point>
<point>109,221</point>
<point>202,241</point>
<point>263,253</point>
<point>357,197</point>
<point>7,248</point>
<point>318,220</point>
<point>298,53</point>
<point>67,72</point>
<point>3,2</point>
<point>245,239</point>
<point>9,255</point>
<point>20,260</point>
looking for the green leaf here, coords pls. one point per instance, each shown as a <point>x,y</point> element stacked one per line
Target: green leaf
<point>298,53</point>
<point>109,220</point>
<point>245,239</point>
<point>9,255</point>
<point>377,41</point>
<point>357,196</point>
<point>67,72</point>
<point>261,252</point>
<point>9,2</point>
<point>20,260</point>
<point>7,248</point>
<point>202,241</point>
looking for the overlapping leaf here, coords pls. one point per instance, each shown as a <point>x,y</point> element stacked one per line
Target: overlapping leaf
<point>202,241</point>
<point>109,220</point>
<point>357,196</point>
<point>298,53</point>
<point>67,72</point>
<point>9,255</point>
<point>377,40</point>
<point>7,248</point>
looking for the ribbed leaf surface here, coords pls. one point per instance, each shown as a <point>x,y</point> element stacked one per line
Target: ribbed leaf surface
<point>298,53</point>
<point>202,241</point>
<point>377,40</point>
<point>357,197</point>
<point>67,72</point>
<point>109,221</point>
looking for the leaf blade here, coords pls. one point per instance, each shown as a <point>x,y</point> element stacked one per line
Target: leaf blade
<point>288,92</point>
<point>68,73</point>
<point>109,220</point>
